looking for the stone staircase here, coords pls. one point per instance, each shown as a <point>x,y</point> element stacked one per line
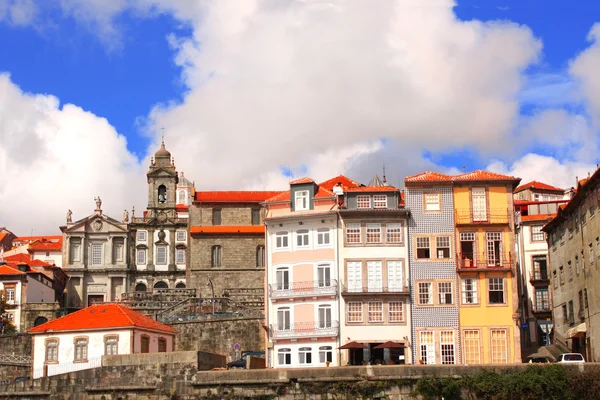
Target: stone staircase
<point>249,297</point>
<point>199,309</point>
<point>151,303</point>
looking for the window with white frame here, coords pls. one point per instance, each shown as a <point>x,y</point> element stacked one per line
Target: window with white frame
<point>394,272</point>
<point>181,236</point>
<point>355,311</point>
<point>374,276</point>
<point>10,295</point>
<point>325,354</point>
<point>304,355</point>
<point>97,253</point>
<point>380,201</point>
<point>302,238</point>
<point>427,347</point>
<point>375,311</point>
<point>141,256</point>
<point>373,233</point>
<point>496,290</point>
<point>536,234</point>
<point>354,276</point>
<point>325,318</point>
<point>499,346</point>
<point>363,201</point>
<point>469,291</point>
<point>324,275</point>
<point>433,202</point>
<point>393,233</point>
<point>353,233</point>
<point>161,255</point>
<point>445,292</point>
<point>52,350</point>
<point>283,319</point>
<point>180,256</point>
<point>396,311</point>
<point>423,250</point>
<point>281,240</point>
<point>447,348</point>
<point>425,293</point>
<point>472,347</point>
<point>301,200</point>
<point>282,278</point>
<point>443,246</point>
<point>141,236</point>
<point>284,356</point>
<point>323,238</point>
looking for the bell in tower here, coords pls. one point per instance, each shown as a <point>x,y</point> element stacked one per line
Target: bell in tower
<point>162,183</point>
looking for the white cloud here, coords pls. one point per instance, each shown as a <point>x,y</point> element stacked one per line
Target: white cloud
<point>18,12</point>
<point>585,68</point>
<point>53,158</point>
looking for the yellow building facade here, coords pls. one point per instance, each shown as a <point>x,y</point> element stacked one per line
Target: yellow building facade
<point>486,268</point>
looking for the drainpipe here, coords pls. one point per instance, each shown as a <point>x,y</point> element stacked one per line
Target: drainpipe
<point>339,302</point>
<point>521,288</point>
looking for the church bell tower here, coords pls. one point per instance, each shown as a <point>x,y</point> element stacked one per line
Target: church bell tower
<point>162,185</point>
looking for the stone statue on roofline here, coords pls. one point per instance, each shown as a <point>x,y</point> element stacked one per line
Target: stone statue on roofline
<point>69,216</point>
<point>98,203</point>
<point>125,216</point>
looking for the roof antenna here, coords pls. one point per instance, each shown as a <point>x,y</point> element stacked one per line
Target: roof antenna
<point>384,180</point>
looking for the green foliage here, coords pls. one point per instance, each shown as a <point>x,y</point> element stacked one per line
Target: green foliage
<point>584,385</point>
<point>436,388</point>
<point>6,325</point>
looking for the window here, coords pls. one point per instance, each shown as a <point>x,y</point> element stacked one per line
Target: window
<point>577,265</point>
<point>479,204</point>
<point>145,344</point>
<point>323,238</point>
<point>373,233</point>
<point>363,201</point>
<point>162,345</point>
<point>394,270</point>
<point>494,246</point>
<point>393,233</point>
<point>81,347</point>
<point>375,311</point>
<point>281,240</point>
<point>141,236</point>
<point>570,270</point>
<point>353,233</point>
<point>52,350</point>
<point>304,355</point>
<point>536,234</point>
<point>554,279</point>
<point>162,194</point>
<point>141,256</point>
<point>374,276</point>
<point>301,202</point>
<point>562,275</point>
<point>355,311</point>
<point>216,256</point>
<point>140,287</point>
<point>180,285</point>
<point>325,316</point>
<point>380,201</point>
<point>396,311</point>
<point>181,197</point>
<point>469,291</point>
<point>591,253</point>
<point>180,256</point>
<point>75,250</point>
<point>433,202</point>
<point>260,256</point>
<point>283,319</point>
<point>427,347</point>
<point>111,345</point>
<point>425,295</point>
<point>354,276</point>
<point>540,270</point>
<point>585,297</point>
<point>255,216</point>
<point>118,250</point>
<point>324,276</point>
<point>472,347</point>
<point>496,290</point>
<point>161,255</point>
<point>499,344</point>
<point>423,250</point>
<point>565,314</point>
<point>216,216</point>
<point>10,296</point>
<point>302,238</point>
<point>284,356</point>
<point>542,300</point>
<point>282,278</point>
<point>97,253</point>
<point>443,246</point>
<point>581,303</point>
<point>181,236</point>
<point>571,313</point>
<point>325,354</point>
<point>445,292</point>
<point>447,347</point>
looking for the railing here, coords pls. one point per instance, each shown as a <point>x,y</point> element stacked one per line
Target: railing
<point>299,289</point>
<point>199,309</point>
<point>350,290</point>
<point>304,329</point>
<point>539,276</point>
<point>467,262</point>
<point>65,368</point>
<point>15,359</point>
<point>157,293</point>
<point>468,216</point>
<point>544,307</point>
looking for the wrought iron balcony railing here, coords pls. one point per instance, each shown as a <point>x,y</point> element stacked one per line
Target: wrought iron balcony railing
<point>542,307</point>
<point>469,262</point>
<point>492,216</point>
<point>304,329</point>
<point>539,276</point>
<point>299,289</point>
<point>349,289</point>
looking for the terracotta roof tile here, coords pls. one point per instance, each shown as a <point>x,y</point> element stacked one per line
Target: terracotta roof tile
<point>372,189</point>
<point>223,229</point>
<point>3,235</point>
<point>345,181</point>
<point>182,207</point>
<point>102,316</point>
<point>537,186</point>
<point>428,176</point>
<point>44,245</point>
<point>53,238</point>
<point>235,196</point>
<point>39,263</point>
<point>20,257</point>
<point>480,175</point>
<point>7,269</point>
<point>301,180</point>
<point>537,217</point>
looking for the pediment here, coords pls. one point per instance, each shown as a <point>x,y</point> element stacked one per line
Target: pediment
<point>97,224</point>
<point>163,172</point>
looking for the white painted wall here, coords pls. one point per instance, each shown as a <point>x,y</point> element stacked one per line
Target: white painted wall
<point>54,257</point>
<point>295,356</point>
<point>39,292</point>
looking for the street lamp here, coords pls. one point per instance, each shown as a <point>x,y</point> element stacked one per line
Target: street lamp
<point>212,288</point>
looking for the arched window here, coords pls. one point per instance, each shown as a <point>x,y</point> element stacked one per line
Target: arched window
<point>161,285</point>
<point>162,194</point>
<point>39,321</point>
<point>181,197</point>
<point>140,287</point>
<point>216,256</point>
<point>180,285</point>
<point>260,256</point>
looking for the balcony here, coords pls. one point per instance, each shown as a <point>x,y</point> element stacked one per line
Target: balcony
<point>541,308</point>
<point>303,289</point>
<point>539,277</point>
<point>348,291</point>
<point>468,263</point>
<point>493,216</point>
<point>305,329</point>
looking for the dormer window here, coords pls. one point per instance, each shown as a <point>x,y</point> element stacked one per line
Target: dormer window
<point>301,201</point>
<point>363,201</point>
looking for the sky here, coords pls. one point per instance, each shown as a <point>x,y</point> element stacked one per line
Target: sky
<point>251,93</point>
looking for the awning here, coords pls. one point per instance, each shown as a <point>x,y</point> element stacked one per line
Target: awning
<point>579,330</point>
<point>390,345</point>
<point>353,345</point>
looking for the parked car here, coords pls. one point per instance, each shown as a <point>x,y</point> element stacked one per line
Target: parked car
<point>241,363</point>
<point>570,358</point>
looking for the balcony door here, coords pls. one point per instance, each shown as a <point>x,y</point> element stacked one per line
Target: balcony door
<point>355,276</point>
<point>374,278</point>
<point>479,204</point>
<point>283,319</point>
<point>394,270</point>
<point>283,279</point>
<point>325,316</point>
<point>494,247</point>
<point>324,276</point>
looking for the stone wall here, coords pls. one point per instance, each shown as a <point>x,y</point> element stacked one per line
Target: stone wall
<point>9,372</point>
<point>16,344</point>
<point>220,335</point>
<point>231,214</point>
<point>31,311</point>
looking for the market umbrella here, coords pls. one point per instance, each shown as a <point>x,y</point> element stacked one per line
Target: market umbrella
<point>352,346</point>
<point>390,345</point>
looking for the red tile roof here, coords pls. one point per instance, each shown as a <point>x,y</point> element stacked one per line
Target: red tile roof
<point>428,176</point>
<point>301,180</point>
<point>345,181</point>
<point>102,316</point>
<point>372,189</point>
<point>480,175</point>
<point>538,186</point>
<point>3,235</point>
<point>32,238</point>
<point>39,263</point>
<point>182,207</point>
<point>9,270</point>
<point>223,229</point>
<point>18,258</point>
<point>44,245</point>
<point>537,217</point>
<point>235,196</point>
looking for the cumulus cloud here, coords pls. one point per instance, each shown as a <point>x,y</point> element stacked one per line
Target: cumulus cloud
<point>585,68</point>
<point>18,12</point>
